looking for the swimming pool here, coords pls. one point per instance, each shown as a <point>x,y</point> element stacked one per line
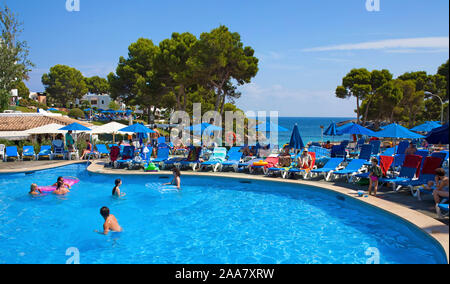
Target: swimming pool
<point>213,220</point>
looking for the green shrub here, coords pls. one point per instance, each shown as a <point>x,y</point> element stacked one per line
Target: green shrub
<point>76,113</point>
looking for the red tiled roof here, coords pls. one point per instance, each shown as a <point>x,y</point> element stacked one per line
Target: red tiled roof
<point>19,122</point>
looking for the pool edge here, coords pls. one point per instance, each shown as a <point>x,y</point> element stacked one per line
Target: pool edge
<point>438,231</point>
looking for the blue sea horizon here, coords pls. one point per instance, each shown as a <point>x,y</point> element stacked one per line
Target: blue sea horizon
<point>309,128</point>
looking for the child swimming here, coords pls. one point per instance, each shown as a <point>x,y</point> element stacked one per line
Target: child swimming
<point>116,190</point>
<point>110,224</point>
<point>34,190</point>
<point>176,179</point>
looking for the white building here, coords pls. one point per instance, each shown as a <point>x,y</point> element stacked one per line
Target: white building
<point>98,101</point>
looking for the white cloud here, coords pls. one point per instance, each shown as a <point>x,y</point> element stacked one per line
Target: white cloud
<point>406,43</point>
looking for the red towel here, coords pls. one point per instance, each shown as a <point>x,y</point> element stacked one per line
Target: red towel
<point>430,165</point>
<point>115,152</point>
<point>412,161</point>
<point>385,163</point>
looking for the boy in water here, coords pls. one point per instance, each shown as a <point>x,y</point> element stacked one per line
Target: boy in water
<point>116,190</point>
<point>176,179</point>
<point>111,223</point>
<point>34,190</point>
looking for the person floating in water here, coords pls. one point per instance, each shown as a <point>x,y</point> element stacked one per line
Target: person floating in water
<point>116,190</point>
<point>61,188</point>
<point>110,224</point>
<point>61,179</point>
<point>34,189</point>
<point>176,179</point>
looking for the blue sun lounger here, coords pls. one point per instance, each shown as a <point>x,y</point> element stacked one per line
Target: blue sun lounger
<point>218,156</point>
<point>328,168</point>
<point>233,159</point>
<point>353,168</point>
<point>191,162</point>
<point>127,157</point>
<point>442,209</point>
<point>162,155</point>
<point>145,157</point>
<point>407,172</point>
<point>11,153</point>
<point>273,171</point>
<point>46,151</point>
<point>102,150</point>
<point>28,152</point>
<point>376,147</point>
<point>58,149</point>
<point>427,174</point>
<point>402,146</point>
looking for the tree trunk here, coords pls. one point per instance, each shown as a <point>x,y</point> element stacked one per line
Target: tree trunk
<point>357,109</point>
<point>184,96</point>
<point>366,113</point>
<point>222,108</point>
<point>218,99</point>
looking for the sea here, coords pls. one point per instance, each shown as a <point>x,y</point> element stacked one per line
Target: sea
<point>309,128</point>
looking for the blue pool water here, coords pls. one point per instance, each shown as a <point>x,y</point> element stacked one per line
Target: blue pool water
<point>213,220</point>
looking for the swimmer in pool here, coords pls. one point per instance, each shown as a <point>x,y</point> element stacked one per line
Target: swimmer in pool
<point>62,180</point>
<point>116,190</point>
<point>34,189</point>
<point>176,179</point>
<point>61,188</point>
<point>110,224</point>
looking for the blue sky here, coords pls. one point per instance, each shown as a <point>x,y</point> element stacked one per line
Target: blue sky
<point>305,47</point>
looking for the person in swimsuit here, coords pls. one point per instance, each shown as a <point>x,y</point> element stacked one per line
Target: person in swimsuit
<point>61,179</point>
<point>61,189</point>
<point>111,223</point>
<point>374,176</point>
<point>176,179</point>
<point>411,150</point>
<point>34,189</point>
<point>439,187</point>
<point>88,150</point>
<point>116,190</point>
<point>305,160</point>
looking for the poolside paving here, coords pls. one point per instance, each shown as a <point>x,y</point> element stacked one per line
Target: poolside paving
<point>24,166</point>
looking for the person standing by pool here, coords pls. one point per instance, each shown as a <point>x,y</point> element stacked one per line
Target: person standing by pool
<point>111,223</point>
<point>176,178</point>
<point>375,174</point>
<point>155,136</point>
<point>69,141</point>
<point>116,190</point>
